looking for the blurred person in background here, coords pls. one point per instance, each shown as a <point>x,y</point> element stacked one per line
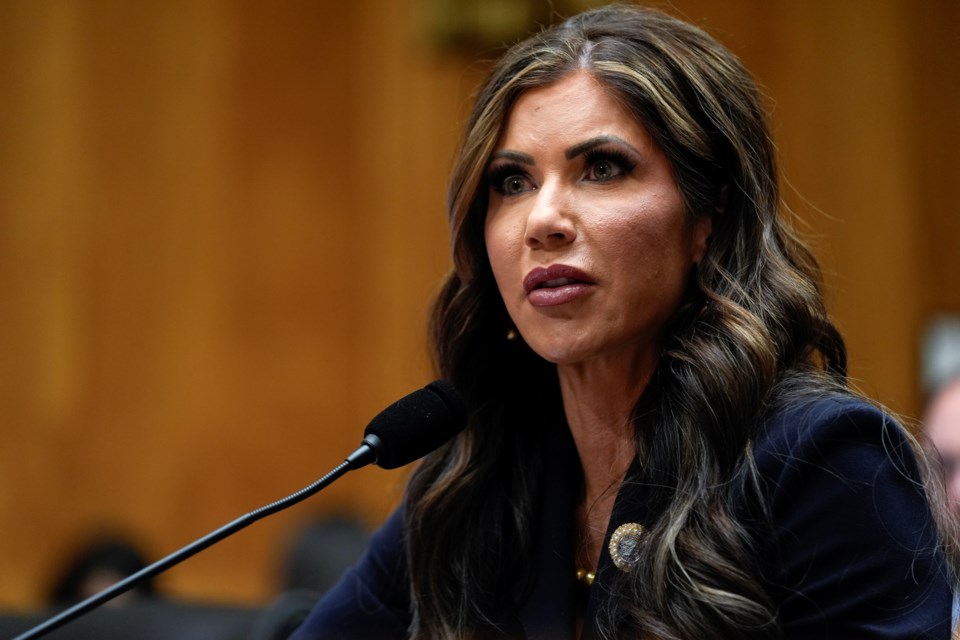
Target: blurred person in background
<point>97,565</point>
<point>942,424</point>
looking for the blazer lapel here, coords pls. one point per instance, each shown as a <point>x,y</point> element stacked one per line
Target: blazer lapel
<point>547,610</point>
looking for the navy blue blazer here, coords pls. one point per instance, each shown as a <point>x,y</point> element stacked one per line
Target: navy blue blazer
<point>851,553</point>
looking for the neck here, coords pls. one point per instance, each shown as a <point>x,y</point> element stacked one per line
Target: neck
<point>598,399</point>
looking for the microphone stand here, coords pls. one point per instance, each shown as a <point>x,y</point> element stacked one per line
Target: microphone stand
<point>363,456</point>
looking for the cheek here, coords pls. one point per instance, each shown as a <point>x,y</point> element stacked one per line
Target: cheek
<point>653,254</point>
<point>501,243</point>
<point>642,239</point>
<point>498,255</point>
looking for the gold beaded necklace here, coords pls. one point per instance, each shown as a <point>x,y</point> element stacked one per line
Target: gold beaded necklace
<point>586,577</point>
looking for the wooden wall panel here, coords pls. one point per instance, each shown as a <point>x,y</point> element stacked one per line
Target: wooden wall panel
<point>843,95</point>
<point>935,129</point>
<point>221,224</point>
<point>202,271</point>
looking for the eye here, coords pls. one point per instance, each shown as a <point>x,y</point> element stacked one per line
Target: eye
<point>513,185</point>
<point>509,180</point>
<point>604,170</point>
<point>606,165</point>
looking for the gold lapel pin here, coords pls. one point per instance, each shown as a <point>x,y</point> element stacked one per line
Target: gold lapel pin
<point>625,545</point>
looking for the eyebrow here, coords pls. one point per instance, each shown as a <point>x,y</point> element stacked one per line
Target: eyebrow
<point>569,154</point>
<point>516,156</point>
<point>593,143</point>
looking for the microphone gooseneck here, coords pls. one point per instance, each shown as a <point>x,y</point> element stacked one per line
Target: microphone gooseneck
<point>405,431</point>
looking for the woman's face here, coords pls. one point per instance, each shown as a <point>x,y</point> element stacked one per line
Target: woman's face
<point>586,231</point>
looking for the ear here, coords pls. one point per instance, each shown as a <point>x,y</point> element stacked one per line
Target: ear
<point>702,229</point>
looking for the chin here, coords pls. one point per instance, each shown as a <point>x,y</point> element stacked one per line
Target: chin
<point>557,352</point>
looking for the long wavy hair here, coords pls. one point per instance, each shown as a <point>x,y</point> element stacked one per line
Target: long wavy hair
<point>752,323</point>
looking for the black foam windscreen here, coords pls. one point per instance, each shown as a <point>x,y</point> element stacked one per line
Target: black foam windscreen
<point>416,424</point>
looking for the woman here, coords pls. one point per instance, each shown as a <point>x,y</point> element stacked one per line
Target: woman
<point>663,444</point>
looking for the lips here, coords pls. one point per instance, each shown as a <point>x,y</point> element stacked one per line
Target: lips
<point>556,284</point>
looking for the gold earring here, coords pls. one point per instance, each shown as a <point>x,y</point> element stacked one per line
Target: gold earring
<point>511,334</point>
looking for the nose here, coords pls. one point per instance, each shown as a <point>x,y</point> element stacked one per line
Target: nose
<point>550,222</point>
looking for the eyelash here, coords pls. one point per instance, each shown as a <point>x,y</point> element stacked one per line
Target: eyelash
<point>498,175</point>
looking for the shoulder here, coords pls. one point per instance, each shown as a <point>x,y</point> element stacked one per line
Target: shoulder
<point>849,461</point>
<point>842,431</point>
<point>851,547</point>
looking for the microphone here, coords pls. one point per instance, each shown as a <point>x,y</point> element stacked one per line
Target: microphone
<point>407,430</point>
<point>413,426</point>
